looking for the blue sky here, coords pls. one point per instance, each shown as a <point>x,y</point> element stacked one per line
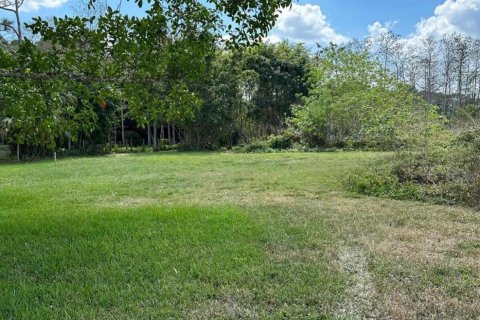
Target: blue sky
<point>339,21</point>
<point>352,17</point>
<point>324,21</point>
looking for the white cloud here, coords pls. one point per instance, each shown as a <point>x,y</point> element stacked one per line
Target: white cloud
<point>453,16</point>
<point>304,23</point>
<point>35,5</point>
<point>273,39</point>
<point>376,29</point>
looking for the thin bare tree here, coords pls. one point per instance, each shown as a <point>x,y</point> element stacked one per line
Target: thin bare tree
<point>12,6</point>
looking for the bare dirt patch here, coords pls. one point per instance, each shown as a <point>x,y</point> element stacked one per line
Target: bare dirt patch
<point>225,307</point>
<point>361,291</point>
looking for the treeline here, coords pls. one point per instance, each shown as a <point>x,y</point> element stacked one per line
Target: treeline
<point>445,71</point>
<point>123,83</point>
<point>91,76</point>
<point>221,99</point>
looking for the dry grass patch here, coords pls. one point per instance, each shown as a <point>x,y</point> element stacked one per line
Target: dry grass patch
<point>426,302</point>
<point>359,302</point>
<point>225,307</point>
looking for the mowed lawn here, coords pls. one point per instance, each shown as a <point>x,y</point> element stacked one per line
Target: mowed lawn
<point>226,236</point>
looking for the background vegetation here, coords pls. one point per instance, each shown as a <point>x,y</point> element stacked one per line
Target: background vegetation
<point>126,81</point>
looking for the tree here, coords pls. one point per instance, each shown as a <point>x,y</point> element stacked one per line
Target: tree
<point>221,120</point>
<point>387,44</point>
<point>278,77</point>
<point>447,49</point>
<point>12,6</point>
<point>461,55</point>
<point>354,102</point>
<point>428,59</point>
<point>473,76</point>
<point>149,62</point>
<point>243,21</point>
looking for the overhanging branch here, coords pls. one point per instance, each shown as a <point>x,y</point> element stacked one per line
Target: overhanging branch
<point>77,77</point>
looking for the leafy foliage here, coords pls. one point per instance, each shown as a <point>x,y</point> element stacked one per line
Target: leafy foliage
<point>353,102</point>
<point>285,141</point>
<point>243,21</point>
<point>150,63</point>
<point>277,76</point>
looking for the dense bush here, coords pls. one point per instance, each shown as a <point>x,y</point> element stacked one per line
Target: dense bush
<point>142,149</point>
<point>440,173</point>
<point>285,141</point>
<point>89,150</point>
<point>162,146</point>
<point>380,182</point>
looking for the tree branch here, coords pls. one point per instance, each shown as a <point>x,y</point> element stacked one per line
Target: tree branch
<point>11,28</point>
<point>76,77</point>
<point>7,9</point>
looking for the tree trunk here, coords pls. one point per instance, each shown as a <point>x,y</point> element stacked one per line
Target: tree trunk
<point>198,139</point>
<point>18,152</point>
<point>148,135</point>
<point>174,140</point>
<point>169,128</point>
<point>19,23</point>
<point>155,141</point>
<point>123,124</point>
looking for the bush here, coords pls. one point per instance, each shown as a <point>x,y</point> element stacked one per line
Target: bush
<point>89,150</point>
<point>145,149</point>
<point>284,141</point>
<point>254,146</point>
<point>142,149</point>
<point>380,182</point>
<point>353,103</point>
<point>448,174</point>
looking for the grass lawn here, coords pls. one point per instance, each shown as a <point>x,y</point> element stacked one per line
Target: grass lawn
<point>226,236</point>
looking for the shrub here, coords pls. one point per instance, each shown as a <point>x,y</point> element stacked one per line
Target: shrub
<point>89,150</point>
<point>380,182</point>
<point>447,174</point>
<point>255,146</point>
<point>284,141</point>
<point>142,149</point>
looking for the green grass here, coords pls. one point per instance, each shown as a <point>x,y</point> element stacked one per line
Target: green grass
<point>226,236</point>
